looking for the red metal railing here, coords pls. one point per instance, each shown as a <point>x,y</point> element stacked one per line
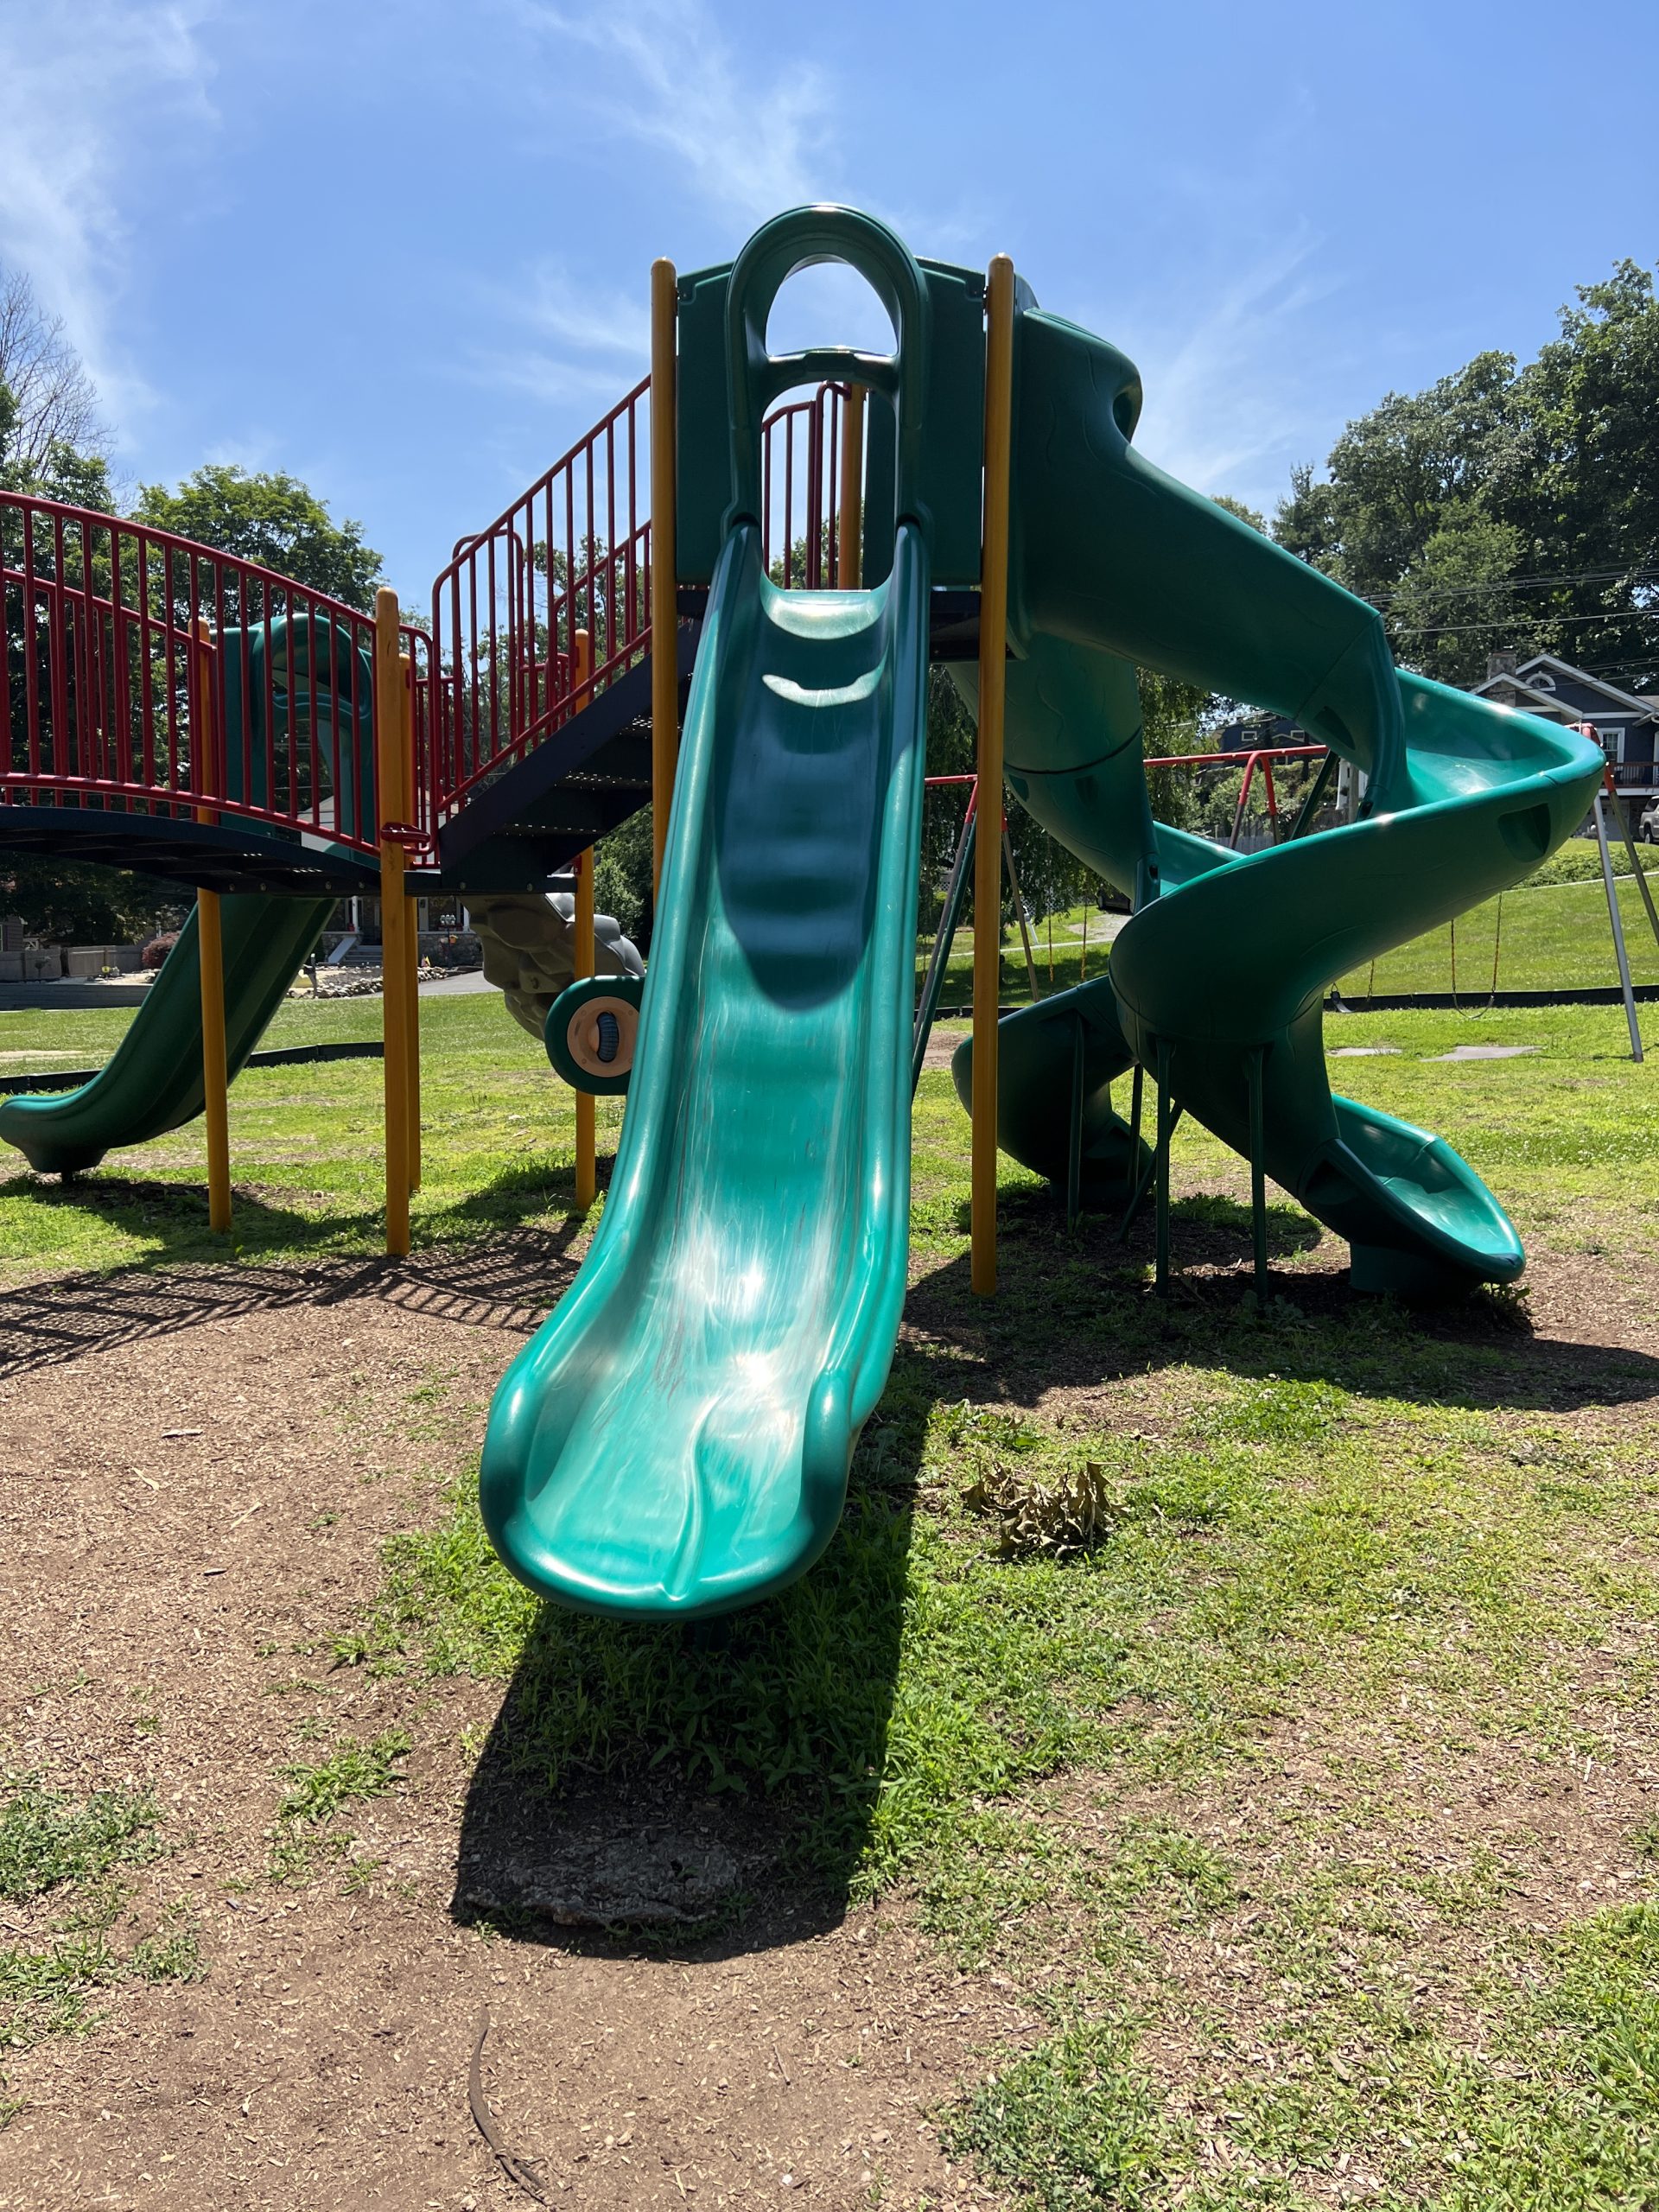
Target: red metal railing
<point>573,553</point>
<point>800,477</point>
<point>150,675</point>
<point>1262,756</point>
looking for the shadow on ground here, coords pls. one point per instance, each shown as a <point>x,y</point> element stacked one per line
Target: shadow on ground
<point>1076,1309</point>
<point>714,1786</point>
<point>511,1283</point>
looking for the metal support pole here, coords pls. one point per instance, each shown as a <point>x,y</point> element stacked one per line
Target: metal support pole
<point>1311,806</point>
<point>210,951</point>
<point>1256,1066</point>
<point>664,605</point>
<point>993,677</point>
<point>1161,1173</point>
<point>938,959</point>
<point>1621,817</point>
<point>849,535</point>
<point>412,993</point>
<point>394,914</point>
<point>1617,921</point>
<point>586,1160</point>
<point>1074,1149</point>
<point>1020,911</point>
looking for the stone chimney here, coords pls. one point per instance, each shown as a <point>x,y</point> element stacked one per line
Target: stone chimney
<point>1503,664</point>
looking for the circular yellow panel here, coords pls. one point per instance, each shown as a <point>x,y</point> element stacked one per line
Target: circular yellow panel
<point>597,1048</point>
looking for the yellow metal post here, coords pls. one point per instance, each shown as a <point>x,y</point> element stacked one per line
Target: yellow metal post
<point>586,1158</point>
<point>406,813</point>
<point>988,845</point>
<point>394,913</point>
<point>210,948</point>
<point>849,538</point>
<point>664,606</point>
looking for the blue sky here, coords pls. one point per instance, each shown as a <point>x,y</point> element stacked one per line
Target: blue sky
<point>403,249</point>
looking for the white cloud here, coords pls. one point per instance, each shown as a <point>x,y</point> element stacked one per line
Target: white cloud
<point>745,144</point>
<point>1227,401</point>
<point>91,91</point>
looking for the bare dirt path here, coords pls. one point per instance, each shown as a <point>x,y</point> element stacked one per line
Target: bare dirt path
<point>199,1471</point>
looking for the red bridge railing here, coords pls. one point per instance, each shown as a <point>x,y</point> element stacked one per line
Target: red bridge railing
<point>150,675</point>
<point>573,554</point>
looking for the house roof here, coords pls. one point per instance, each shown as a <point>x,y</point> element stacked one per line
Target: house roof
<point>1626,702</point>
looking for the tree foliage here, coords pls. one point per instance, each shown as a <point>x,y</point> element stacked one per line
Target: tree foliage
<point>51,439</point>
<point>1507,505</point>
<point>271,519</point>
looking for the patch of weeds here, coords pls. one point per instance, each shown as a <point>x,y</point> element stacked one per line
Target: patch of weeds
<point>170,1953</point>
<point>48,1838</point>
<point>361,1877</point>
<point>1071,1508</point>
<point>1183,1877</point>
<point>355,1772</point>
<point>1077,2123</point>
<point>374,1648</point>
<point>1276,1410</point>
<point>47,1992</point>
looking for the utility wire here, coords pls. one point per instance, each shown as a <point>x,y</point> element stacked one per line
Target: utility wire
<point>1544,580</point>
<point>1512,621</point>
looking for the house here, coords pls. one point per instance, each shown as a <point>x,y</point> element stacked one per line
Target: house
<point>1626,721</point>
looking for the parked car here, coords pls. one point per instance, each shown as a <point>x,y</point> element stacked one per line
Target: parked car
<point>1648,823</point>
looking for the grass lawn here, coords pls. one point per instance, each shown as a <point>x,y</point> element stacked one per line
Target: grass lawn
<point>1550,937</point>
<point>1265,1699</point>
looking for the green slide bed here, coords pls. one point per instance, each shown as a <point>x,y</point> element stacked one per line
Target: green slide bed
<point>153,1081</point>
<point>677,1439</point>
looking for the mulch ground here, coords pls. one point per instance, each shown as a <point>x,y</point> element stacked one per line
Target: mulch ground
<point>199,1470</point>
<point>200,1467</point>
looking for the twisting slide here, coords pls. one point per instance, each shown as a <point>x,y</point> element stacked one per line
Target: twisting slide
<point>1217,980</point>
<point>677,1438</point>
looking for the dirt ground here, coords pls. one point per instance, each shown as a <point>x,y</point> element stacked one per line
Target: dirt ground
<point>199,1469</point>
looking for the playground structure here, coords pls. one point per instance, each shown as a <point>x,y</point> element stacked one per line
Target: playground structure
<point>677,1439</point>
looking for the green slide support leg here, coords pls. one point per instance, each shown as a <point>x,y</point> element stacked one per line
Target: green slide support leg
<point>153,1081</point>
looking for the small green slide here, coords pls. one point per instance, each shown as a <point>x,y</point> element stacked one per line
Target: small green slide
<point>677,1438</point>
<point>153,1081</point>
<point>1223,966</point>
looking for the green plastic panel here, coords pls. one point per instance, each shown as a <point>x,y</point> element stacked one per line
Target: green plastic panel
<point>153,1081</point>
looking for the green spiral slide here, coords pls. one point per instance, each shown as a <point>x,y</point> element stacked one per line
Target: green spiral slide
<point>1226,960</point>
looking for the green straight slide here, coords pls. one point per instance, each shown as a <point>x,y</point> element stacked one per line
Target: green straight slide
<point>153,1081</point>
<point>677,1438</point>
<point>1219,975</point>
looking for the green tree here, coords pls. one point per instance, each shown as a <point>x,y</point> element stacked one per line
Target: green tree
<point>79,902</point>
<point>1505,505</point>
<point>271,519</point>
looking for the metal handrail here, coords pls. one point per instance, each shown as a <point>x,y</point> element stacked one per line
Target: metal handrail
<point>154,675</point>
